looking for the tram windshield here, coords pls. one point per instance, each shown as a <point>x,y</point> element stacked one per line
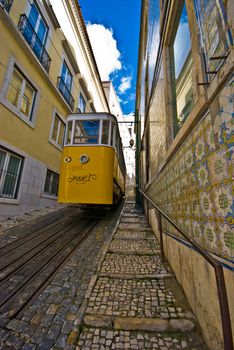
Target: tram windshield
<point>86,131</point>
<point>91,131</point>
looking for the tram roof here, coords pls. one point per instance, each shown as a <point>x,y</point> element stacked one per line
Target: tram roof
<point>92,115</point>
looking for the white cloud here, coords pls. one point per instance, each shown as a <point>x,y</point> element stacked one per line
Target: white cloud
<point>125,84</point>
<point>105,50</point>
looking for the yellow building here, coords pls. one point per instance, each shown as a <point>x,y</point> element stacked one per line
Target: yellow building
<point>41,81</point>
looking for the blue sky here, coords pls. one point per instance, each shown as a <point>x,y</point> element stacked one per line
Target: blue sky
<point>113,27</point>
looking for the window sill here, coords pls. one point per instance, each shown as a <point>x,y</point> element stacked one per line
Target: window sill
<point>4,200</point>
<point>53,143</point>
<point>17,113</point>
<point>49,196</point>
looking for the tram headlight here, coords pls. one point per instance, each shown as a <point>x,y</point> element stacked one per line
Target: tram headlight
<point>67,159</point>
<point>84,159</point>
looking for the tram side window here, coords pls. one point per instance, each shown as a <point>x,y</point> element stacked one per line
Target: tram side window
<point>86,131</point>
<point>105,132</point>
<point>69,133</point>
<point>113,135</point>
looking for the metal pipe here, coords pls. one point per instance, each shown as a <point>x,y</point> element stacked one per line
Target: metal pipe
<point>224,309</point>
<point>161,234</point>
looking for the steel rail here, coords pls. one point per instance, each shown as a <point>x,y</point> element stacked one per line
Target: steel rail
<point>220,280</point>
<point>6,249</point>
<point>11,304</point>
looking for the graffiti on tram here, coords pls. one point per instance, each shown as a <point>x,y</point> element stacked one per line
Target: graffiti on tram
<point>82,179</point>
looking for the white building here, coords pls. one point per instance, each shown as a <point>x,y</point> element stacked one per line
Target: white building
<point>126,127</point>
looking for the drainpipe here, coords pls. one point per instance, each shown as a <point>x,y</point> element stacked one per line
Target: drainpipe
<point>137,158</point>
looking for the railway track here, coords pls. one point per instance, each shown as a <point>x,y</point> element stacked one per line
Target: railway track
<point>29,263</point>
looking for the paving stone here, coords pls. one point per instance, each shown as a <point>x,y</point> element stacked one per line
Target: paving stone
<point>98,321</point>
<point>28,347</point>
<point>136,247</point>
<point>182,325</point>
<point>14,342</point>
<point>46,344</point>
<point>130,234</point>
<point>134,340</point>
<point>54,332</point>
<point>82,310</point>
<point>134,264</point>
<point>134,226</point>
<point>130,297</point>
<point>142,324</point>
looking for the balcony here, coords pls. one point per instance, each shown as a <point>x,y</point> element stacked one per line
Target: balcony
<point>65,92</point>
<point>6,4</point>
<point>35,43</point>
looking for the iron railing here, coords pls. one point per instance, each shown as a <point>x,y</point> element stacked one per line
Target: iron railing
<point>8,188</point>
<point>35,43</point>
<point>6,4</point>
<point>220,281</point>
<point>65,92</point>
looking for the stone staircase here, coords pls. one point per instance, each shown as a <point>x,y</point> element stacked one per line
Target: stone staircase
<point>134,301</point>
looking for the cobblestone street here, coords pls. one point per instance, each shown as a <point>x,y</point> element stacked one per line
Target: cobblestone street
<point>114,293</point>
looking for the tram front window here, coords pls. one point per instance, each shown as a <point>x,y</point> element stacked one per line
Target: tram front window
<point>86,131</point>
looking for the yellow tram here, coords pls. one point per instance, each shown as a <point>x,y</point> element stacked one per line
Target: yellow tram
<point>93,168</point>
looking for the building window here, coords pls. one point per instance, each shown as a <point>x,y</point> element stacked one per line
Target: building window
<point>66,76</point>
<point>10,171</point>
<point>82,104</point>
<point>58,130</point>
<point>182,76</point>
<point>38,23</point>
<point>21,93</point>
<point>65,85</point>
<point>51,183</point>
<point>215,33</point>
<point>6,4</point>
<point>35,30</point>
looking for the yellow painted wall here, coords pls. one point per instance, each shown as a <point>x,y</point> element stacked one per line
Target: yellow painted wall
<point>33,141</point>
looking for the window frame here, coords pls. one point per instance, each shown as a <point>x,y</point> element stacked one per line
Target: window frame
<point>24,83</point>
<point>9,153</point>
<point>50,194</point>
<point>61,121</point>
<point>81,98</point>
<point>40,19</point>
<point>68,70</point>
<point>4,91</point>
<point>170,74</point>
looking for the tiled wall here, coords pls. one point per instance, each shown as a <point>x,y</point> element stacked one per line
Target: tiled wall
<point>196,187</point>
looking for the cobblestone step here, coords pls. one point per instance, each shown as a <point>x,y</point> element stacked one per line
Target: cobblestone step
<point>130,234</point>
<point>123,297</point>
<point>130,300</point>
<point>140,246</point>
<point>135,301</point>
<point>103,339</point>
<point>134,265</point>
<point>133,215</point>
<point>134,226</point>
<point>134,219</point>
